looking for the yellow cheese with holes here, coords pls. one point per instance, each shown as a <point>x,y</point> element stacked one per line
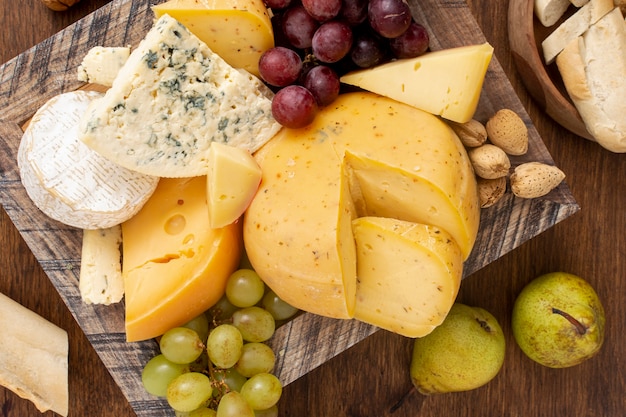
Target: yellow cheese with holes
<point>175,265</point>
<point>417,266</point>
<point>237,30</point>
<point>233,179</point>
<point>364,155</point>
<point>446,83</point>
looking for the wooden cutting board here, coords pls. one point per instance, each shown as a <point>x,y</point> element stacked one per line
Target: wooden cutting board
<point>49,68</point>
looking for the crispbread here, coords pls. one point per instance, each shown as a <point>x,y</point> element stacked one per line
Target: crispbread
<point>573,27</point>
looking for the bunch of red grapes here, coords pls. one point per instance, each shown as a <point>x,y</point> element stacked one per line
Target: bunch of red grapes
<point>317,41</point>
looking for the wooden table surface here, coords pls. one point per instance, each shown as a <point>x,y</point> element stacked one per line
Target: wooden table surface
<point>371,378</point>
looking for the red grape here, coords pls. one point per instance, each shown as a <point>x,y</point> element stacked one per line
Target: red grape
<point>414,42</point>
<point>323,82</point>
<point>277,4</point>
<point>368,50</point>
<point>322,10</point>
<point>280,66</point>
<point>390,18</point>
<point>294,106</point>
<point>332,41</point>
<point>299,26</point>
<point>354,12</point>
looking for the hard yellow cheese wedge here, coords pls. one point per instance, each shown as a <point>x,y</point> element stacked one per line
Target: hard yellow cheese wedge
<point>446,82</point>
<point>363,154</point>
<point>237,30</point>
<point>417,267</point>
<point>233,179</point>
<point>175,265</point>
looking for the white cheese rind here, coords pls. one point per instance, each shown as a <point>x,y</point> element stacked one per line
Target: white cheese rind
<point>67,180</point>
<point>101,279</point>
<point>172,98</point>
<point>102,64</point>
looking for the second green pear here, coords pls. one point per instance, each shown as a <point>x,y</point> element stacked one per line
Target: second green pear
<point>463,353</point>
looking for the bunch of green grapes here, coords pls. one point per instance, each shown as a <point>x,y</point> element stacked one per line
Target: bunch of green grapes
<point>218,364</point>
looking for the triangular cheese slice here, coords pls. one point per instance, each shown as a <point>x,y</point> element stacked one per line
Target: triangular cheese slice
<point>446,83</point>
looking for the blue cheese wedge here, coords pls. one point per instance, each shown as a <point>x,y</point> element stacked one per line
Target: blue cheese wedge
<point>102,64</point>
<point>171,100</point>
<point>67,180</point>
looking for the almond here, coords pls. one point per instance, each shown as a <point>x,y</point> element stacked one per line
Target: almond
<point>508,131</point>
<point>490,190</point>
<point>535,179</point>
<point>489,161</point>
<point>471,134</point>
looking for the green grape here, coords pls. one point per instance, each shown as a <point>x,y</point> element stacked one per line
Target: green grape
<point>262,391</point>
<point>255,358</point>
<point>201,364</point>
<point>254,323</point>
<point>223,309</point>
<point>224,345</point>
<point>233,379</point>
<point>203,412</point>
<point>244,288</point>
<point>270,412</point>
<point>279,309</point>
<point>158,373</point>
<point>189,391</point>
<point>200,412</point>
<point>200,325</point>
<point>233,404</point>
<point>181,345</point>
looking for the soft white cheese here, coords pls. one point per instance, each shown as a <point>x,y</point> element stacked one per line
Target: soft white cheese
<point>171,99</point>
<point>67,180</point>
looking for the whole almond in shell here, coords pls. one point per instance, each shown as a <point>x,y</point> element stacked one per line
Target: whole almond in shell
<point>535,179</point>
<point>490,191</point>
<point>489,161</point>
<point>508,131</point>
<point>471,134</point>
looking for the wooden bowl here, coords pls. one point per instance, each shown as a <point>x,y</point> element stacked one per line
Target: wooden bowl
<point>543,81</point>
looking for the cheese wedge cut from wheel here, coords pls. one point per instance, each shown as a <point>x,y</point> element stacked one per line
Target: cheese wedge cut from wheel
<point>175,265</point>
<point>363,154</point>
<point>417,266</point>
<point>172,98</point>
<point>237,30</point>
<point>33,357</point>
<point>101,279</point>
<point>446,83</point>
<point>233,179</point>
<point>67,180</point>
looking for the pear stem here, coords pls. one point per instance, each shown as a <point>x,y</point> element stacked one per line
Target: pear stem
<point>577,324</point>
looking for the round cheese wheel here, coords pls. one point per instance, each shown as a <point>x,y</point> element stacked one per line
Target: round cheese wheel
<point>67,180</point>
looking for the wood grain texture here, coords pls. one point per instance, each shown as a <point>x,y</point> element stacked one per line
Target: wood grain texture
<point>542,81</point>
<point>369,378</point>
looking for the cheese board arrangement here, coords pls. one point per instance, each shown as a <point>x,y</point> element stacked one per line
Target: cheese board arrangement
<point>308,340</point>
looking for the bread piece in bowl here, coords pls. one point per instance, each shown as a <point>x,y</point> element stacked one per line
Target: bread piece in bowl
<point>593,67</point>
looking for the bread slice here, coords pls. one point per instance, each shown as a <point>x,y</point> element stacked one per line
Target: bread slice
<point>573,27</point>
<point>33,357</point>
<point>579,3</point>
<point>550,11</point>
<point>593,68</point>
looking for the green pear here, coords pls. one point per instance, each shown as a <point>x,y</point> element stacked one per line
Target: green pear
<point>463,353</point>
<point>558,320</point>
